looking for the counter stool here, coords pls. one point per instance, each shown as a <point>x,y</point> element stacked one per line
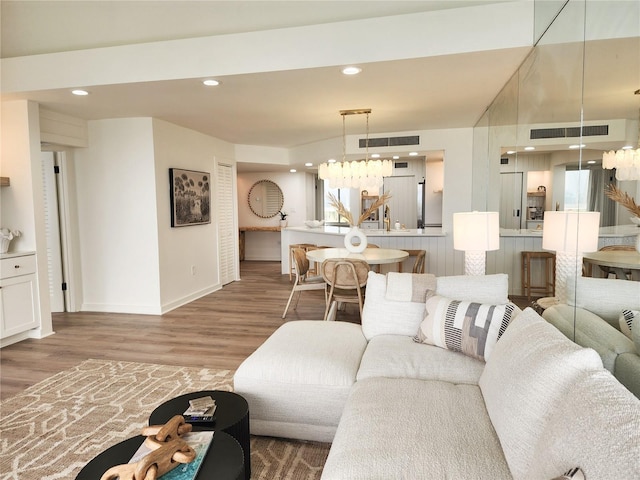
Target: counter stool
<point>548,288</point>
<point>305,247</point>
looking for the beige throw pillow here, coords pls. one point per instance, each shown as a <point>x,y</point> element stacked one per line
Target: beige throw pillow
<point>626,321</point>
<point>467,327</point>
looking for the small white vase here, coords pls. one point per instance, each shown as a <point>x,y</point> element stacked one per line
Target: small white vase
<point>355,232</point>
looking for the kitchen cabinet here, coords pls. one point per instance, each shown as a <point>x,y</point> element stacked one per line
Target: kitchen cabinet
<point>18,294</point>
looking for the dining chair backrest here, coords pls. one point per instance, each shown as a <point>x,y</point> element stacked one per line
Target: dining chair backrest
<point>418,265</point>
<point>345,273</point>
<point>300,261</point>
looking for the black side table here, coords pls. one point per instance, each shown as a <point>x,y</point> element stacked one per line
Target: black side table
<point>232,417</point>
<point>224,460</point>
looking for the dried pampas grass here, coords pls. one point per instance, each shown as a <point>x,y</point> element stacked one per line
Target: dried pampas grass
<point>346,214</point>
<point>623,198</point>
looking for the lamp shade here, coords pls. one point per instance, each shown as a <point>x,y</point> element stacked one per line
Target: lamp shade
<point>476,231</point>
<point>571,231</point>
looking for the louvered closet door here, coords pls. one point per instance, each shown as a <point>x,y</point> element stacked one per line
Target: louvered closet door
<point>228,235</point>
<point>52,231</point>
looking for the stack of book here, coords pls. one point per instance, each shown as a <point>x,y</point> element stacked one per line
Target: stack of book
<point>200,410</point>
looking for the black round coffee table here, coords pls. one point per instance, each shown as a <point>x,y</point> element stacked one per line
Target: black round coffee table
<point>224,460</point>
<point>232,417</point>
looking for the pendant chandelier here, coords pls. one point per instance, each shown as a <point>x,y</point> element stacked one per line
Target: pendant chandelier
<point>362,174</point>
<point>626,161</point>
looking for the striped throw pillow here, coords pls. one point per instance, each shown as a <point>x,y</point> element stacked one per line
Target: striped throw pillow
<point>626,320</point>
<point>467,327</point>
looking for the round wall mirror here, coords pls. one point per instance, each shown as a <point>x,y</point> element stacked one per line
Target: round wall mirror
<point>265,199</point>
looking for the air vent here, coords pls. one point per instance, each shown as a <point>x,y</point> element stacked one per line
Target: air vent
<point>569,132</point>
<point>390,141</point>
<point>401,165</point>
<point>504,161</point>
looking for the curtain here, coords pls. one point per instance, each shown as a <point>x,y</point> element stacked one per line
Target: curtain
<point>598,201</point>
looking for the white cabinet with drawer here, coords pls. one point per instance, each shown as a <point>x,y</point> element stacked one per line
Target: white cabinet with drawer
<point>18,294</point>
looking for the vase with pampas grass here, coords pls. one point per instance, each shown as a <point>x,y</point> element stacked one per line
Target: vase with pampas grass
<point>355,231</point>
<point>628,202</point>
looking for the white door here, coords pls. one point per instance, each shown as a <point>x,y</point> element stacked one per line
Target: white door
<point>402,205</point>
<point>227,233</point>
<point>52,231</point>
<point>511,200</point>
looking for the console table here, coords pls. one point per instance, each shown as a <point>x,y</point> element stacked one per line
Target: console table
<point>242,231</point>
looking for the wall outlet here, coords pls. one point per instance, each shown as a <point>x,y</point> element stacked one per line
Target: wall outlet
<point>193,269</point>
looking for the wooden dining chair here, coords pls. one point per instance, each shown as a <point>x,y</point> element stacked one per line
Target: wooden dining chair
<point>418,264</point>
<point>346,279</point>
<point>303,281</point>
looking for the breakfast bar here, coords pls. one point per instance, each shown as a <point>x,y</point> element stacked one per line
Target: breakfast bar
<point>442,259</point>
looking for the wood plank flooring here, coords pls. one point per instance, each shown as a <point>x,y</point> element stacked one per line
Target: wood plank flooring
<point>217,331</point>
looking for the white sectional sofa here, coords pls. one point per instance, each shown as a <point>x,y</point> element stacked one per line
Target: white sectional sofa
<point>592,314</point>
<point>394,408</point>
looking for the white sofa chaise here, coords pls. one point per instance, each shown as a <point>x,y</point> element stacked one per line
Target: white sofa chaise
<point>539,406</point>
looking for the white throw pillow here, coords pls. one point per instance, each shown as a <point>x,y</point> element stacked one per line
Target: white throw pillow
<point>387,317</point>
<point>467,327</point>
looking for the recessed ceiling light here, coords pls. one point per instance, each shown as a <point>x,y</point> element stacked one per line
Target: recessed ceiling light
<point>375,155</point>
<point>591,162</point>
<point>396,157</point>
<point>211,83</point>
<point>351,70</point>
<point>413,154</point>
<point>510,152</point>
<point>627,147</point>
<point>575,147</point>
<point>331,160</point>
<point>308,164</point>
<point>80,92</point>
<point>293,170</point>
<point>528,149</point>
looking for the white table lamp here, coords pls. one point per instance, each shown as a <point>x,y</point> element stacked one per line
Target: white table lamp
<point>476,233</point>
<point>570,234</point>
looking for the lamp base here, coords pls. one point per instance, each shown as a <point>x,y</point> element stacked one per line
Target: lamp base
<point>568,265</point>
<point>474,263</point>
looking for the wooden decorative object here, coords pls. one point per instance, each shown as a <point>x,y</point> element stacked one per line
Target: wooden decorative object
<point>168,450</point>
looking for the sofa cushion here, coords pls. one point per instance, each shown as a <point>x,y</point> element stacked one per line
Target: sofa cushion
<point>635,333</point>
<point>381,316</point>
<point>525,378</point>
<point>398,356</point>
<point>596,426</point>
<point>605,297</point>
<point>626,320</point>
<point>415,429</point>
<point>387,317</point>
<point>628,372</point>
<point>297,382</point>
<point>467,327</point>
<point>590,331</point>
<point>475,288</point>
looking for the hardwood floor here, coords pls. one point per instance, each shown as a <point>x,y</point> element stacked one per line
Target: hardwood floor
<point>216,331</point>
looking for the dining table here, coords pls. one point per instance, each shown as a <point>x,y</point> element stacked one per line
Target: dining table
<point>373,256</point>
<point>619,261</point>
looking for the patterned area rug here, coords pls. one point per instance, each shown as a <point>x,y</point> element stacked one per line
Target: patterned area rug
<point>58,425</point>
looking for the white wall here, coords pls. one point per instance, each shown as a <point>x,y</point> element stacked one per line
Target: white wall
<point>22,203</point>
<point>266,245</point>
<point>116,184</point>
<point>181,248</point>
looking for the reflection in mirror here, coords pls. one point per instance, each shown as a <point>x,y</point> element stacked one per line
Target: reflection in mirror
<point>265,199</point>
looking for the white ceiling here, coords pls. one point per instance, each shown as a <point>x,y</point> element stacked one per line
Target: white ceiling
<point>278,109</point>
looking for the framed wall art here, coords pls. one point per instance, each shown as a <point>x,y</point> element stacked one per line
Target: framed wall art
<point>190,197</point>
